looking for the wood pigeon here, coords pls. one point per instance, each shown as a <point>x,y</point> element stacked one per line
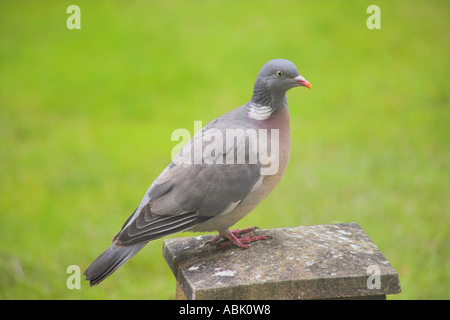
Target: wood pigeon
<point>218,177</point>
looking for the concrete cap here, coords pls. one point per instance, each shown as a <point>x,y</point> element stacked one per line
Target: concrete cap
<point>310,262</point>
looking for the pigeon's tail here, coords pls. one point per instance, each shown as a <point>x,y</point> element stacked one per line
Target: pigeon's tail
<point>109,261</point>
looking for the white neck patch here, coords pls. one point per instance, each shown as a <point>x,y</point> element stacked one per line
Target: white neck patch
<point>259,112</point>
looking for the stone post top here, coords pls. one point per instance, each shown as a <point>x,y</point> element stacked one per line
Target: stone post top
<point>307,262</point>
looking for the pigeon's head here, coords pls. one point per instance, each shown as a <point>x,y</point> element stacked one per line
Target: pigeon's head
<point>280,75</point>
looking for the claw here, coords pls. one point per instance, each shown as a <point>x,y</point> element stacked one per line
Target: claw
<point>237,237</point>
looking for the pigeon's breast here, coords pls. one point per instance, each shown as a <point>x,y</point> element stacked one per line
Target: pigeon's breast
<point>278,128</point>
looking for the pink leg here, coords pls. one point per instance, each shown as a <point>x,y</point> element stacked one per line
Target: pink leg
<point>238,232</point>
<point>233,237</point>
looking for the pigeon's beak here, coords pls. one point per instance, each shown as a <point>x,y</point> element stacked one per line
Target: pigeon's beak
<point>302,81</point>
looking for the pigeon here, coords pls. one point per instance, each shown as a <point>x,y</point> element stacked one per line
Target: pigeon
<point>218,177</point>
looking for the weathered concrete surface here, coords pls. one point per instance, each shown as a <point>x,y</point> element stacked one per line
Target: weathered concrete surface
<point>312,262</point>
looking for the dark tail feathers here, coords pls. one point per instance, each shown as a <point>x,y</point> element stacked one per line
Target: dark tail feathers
<point>109,261</point>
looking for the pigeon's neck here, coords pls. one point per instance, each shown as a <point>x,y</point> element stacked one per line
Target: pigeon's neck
<point>264,103</point>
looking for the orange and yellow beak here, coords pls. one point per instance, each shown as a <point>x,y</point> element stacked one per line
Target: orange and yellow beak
<point>302,81</point>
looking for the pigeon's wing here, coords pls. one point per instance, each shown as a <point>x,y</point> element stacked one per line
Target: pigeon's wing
<point>193,190</point>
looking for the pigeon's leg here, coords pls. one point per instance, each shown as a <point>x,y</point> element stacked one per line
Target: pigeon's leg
<point>233,237</point>
<point>235,232</point>
<point>241,242</point>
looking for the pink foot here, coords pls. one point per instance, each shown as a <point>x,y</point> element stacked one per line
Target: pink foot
<point>235,237</point>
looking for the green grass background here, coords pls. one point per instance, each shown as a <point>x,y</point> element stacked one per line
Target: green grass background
<point>86,118</point>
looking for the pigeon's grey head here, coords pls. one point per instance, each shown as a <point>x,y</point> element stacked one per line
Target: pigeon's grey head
<point>274,79</point>
<point>280,75</point>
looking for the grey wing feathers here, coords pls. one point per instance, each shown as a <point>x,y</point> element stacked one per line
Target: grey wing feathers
<point>148,226</point>
<point>186,194</point>
<point>194,201</point>
<point>183,196</point>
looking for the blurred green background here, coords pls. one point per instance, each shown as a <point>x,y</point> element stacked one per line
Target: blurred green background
<point>86,118</point>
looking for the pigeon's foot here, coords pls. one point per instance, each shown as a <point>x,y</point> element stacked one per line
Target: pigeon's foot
<point>237,237</point>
